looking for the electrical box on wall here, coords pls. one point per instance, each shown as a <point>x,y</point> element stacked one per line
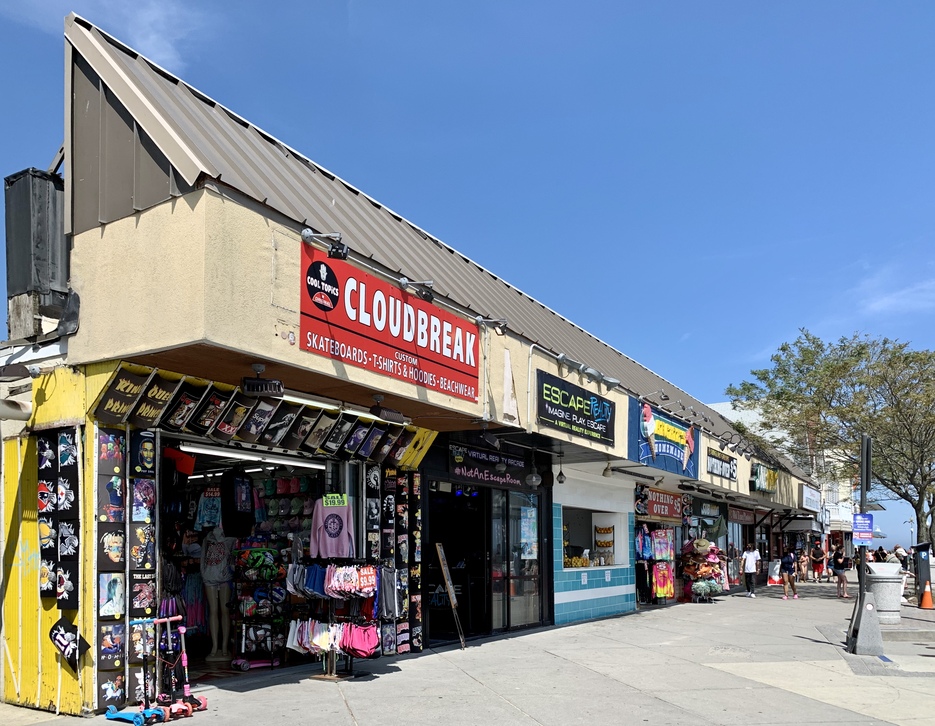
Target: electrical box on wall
<point>36,249</point>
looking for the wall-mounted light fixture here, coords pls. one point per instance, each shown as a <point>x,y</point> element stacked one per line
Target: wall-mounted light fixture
<point>532,478</point>
<point>499,324</point>
<point>489,438</point>
<point>223,453</point>
<point>336,248</point>
<point>561,474</point>
<point>572,365</point>
<point>423,288</point>
<point>608,470</point>
<point>663,396</point>
<point>686,486</point>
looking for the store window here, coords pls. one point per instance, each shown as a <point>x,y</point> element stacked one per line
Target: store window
<point>592,538</point>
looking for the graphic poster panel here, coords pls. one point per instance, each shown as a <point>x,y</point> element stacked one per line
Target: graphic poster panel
<point>143,508</point>
<point>142,460</point>
<point>111,646</point>
<point>111,502</point>
<point>142,594</point>
<point>112,689</point>
<point>111,548</point>
<point>111,452</point>
<point>67,585</point>
<point>66,638</point>
<point>111,594</point>
<point>142,546</point>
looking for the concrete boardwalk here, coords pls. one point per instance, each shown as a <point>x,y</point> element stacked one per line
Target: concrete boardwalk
<point>735,661</point>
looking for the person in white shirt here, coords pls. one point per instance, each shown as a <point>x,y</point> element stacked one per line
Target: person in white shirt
<point>750,562</point>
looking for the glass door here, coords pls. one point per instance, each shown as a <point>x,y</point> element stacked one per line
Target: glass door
<point>515,560</point>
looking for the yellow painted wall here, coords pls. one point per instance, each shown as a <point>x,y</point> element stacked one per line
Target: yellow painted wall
<point>33,671</point>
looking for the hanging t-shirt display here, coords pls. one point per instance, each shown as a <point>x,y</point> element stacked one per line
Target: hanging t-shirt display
<point>663,544</point>
<point>663,583</point>
<point>209,509</point>
<point>237,512</point>
<point>332,533</point>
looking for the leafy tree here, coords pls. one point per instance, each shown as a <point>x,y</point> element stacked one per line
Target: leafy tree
<point>818,398</point>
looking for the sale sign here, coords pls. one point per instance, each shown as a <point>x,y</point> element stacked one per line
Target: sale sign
<point>361,320</point>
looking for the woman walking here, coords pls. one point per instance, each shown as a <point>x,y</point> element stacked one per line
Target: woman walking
<point>787,569</point>
<point>837,567</point>
<point>803,566</point>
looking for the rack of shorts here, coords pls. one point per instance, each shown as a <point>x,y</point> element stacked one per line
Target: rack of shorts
<point>654,547</point>
<point>342,608</point>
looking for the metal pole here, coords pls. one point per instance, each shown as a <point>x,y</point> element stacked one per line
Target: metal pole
<point>866,452</point>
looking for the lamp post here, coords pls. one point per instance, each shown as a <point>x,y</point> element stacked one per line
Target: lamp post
<point>912,526</point>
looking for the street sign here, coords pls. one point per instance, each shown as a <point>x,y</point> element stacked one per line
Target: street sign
<point>863,527</point>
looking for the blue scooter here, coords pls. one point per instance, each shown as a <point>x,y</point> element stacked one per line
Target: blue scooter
<point>147,714</point>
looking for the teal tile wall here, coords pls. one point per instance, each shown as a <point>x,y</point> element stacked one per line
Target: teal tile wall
<point>570,581</point>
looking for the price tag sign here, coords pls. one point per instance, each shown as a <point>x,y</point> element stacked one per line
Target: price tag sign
<point>334,500</point>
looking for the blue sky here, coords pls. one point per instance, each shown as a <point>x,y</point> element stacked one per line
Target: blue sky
<point>691,182</point>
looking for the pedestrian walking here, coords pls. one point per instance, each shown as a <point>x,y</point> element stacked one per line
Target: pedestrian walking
<point>787,570</point>
<point>818,557</point>
<point>803,566</point>
<point>838,566</point>
<point>750,560</point>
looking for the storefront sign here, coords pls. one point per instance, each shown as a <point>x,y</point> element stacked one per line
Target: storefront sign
<point>125,388</point>
<point>479,466</point>
<point>657,505</point>
<point>722,465</point>
<point>708,509</point>
<point>763,479</point>
<point>575,410</point>
<point>661,441</point>
<point>811,499</point>
<point>363,321</point>
<point>740,516</point>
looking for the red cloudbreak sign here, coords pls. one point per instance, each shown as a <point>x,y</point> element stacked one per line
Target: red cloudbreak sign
<point>361,320</point>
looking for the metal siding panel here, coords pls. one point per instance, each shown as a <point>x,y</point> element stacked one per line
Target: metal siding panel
<point>84,167</point>
<point>118,153</point>
<point>151,173</point>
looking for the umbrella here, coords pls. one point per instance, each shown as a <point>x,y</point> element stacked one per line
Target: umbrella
<point>877,534</point>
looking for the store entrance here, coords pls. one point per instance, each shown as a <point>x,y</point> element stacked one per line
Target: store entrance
<point>491,542</point>
<point>459,520</point>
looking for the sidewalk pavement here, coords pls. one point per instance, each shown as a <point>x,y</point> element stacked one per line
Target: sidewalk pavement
<point>735,661</point>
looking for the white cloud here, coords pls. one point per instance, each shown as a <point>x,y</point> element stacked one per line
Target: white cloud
<point>889,292</point>
<point>159,29</point>
<point>919,297</point>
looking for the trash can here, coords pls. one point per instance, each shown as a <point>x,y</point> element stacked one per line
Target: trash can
<point>921,558</point>
<point>885,581</point>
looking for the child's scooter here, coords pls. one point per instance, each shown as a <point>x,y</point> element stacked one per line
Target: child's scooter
<point>172,699</point>
<point>243,664</point>
<point>198,703</point>
<point>147,714</point>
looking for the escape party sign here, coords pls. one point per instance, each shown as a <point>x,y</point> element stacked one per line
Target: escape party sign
<point>658,440</point>
<point>359,319</point>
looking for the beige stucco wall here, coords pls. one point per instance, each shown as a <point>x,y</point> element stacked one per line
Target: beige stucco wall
<point>141,282</point>
<point>210,268</point>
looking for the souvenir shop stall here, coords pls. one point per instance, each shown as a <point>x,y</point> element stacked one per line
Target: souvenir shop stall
<point>704,570</point>
<point>657,515</point>
<point>277,531</point>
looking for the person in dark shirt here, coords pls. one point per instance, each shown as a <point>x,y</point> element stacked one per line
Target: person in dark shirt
<point>787,569</point>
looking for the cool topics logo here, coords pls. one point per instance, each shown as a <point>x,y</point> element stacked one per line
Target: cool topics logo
<point>322,285</point>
